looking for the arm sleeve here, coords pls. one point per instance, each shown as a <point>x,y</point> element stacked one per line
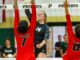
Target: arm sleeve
<point>28,14</point>
<point>33,17</point>
<point>16,20</point>
<point>47,33</point>
<point>69,26</point>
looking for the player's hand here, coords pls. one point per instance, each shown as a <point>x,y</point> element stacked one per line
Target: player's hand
<point>66,3</point>
<point>32,1</point>
<point>38,46</point>
<point>15,4</point>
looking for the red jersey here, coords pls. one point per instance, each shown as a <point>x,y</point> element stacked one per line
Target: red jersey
<point>72,51</point>
<point>25,52</point>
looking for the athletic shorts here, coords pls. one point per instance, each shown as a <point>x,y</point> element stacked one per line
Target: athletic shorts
<point>37,51</point>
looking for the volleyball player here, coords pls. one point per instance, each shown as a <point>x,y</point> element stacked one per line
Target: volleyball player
<point>24,34</point>
<point>73,51</point>
<point>41,34</point>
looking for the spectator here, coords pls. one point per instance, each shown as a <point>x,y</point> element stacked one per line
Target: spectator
<point>58,46</point>
<point>64,45</point>
<point>8,50</point>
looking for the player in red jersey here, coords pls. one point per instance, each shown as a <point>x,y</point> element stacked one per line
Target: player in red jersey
<point>73,51</point>
<point>24,35</point>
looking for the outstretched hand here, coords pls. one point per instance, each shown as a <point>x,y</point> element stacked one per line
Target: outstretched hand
<point>32,2</point>
<point>66,4</point>
<point>15,4</point>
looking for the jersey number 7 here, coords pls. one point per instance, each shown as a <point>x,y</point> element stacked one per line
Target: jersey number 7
<point>76,47</point>
<point>24,41</point>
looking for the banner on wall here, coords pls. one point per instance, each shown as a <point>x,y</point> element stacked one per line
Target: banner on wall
<point>57,5</point>
<point>10,13</point>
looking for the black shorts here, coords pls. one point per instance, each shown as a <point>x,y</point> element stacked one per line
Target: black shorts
<point>37,51</point>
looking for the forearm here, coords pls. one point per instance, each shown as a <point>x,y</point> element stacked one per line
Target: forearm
<point>68,19</point>
<point>67,15</point>
<point>14,55</point>
<point>33,17</point>
<point>57,48</point>
<point>16,17</point>
<point>4,55</point>
<point>43,43</point>
<point>66,7</point>
<point>33,7</point>
<point>61,52</point>
<point>66,11</point>
<point>27,11</point>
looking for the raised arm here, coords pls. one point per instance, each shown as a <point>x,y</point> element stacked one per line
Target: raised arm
<point>16,17</point>
<point>28,14</point>
<point>33,17</point>
<point>69,24</point>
